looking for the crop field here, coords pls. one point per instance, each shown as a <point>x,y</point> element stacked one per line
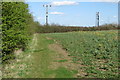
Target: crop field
<point>97,52</point>
<point>84,54</point>
<point>59,47</point>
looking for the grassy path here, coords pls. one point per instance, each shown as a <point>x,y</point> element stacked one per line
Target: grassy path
<point>41,60</point>
<point>84,55</point>
<point>41,57</point>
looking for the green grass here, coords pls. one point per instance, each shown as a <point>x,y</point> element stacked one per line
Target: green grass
<point>64,60</point>
<point>98,51</point>
<point>37,65</point>
<point>64,73</point>
<point>43,56</point>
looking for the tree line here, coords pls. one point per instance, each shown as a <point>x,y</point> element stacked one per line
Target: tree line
<point>58,28</point>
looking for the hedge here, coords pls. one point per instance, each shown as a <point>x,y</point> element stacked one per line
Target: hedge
<point>16,27</point>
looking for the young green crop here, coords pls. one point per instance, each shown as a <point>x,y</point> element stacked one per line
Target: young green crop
<point>97,50</point>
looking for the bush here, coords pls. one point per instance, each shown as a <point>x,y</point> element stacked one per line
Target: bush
<point>16,27</point>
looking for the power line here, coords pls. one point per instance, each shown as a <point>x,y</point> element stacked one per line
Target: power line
<point>47,6</point>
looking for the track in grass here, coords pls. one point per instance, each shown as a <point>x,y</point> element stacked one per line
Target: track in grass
<point>67,55</point>
<point>38,61</point>
<point>97,50</point>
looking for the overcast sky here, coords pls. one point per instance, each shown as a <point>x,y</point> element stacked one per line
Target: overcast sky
<point>75,13</point>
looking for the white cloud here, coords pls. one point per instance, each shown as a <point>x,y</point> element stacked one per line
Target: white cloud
<point>103,0</point>
<point>61,0</point>
<point>56,13</point>
<point>59,3</point>
<point>69,0</point>
<point>102,20</point>
<point>114,16</point>
<point>38,18</point>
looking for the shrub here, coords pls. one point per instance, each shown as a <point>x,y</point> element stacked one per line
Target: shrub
<point>16,27</point>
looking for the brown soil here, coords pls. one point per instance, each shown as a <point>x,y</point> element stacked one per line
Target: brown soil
<point>61,54</point>
<point>17,52</point>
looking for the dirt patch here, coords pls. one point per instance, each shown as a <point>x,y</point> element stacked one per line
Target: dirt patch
<point>48,38</point>
<point>61,54</point>
<point>17,52</point>
<point>57,48</point>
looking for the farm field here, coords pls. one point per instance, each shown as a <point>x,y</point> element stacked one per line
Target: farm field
<point>96,51</point>
<point>84,54</point>
<point>59,39</point>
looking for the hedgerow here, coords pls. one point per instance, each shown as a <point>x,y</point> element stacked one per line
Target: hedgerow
<point>16,27</point>
<point>58,28</point>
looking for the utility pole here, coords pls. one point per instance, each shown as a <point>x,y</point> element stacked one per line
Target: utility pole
<point>47,6</point>
<point>97,19</point>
